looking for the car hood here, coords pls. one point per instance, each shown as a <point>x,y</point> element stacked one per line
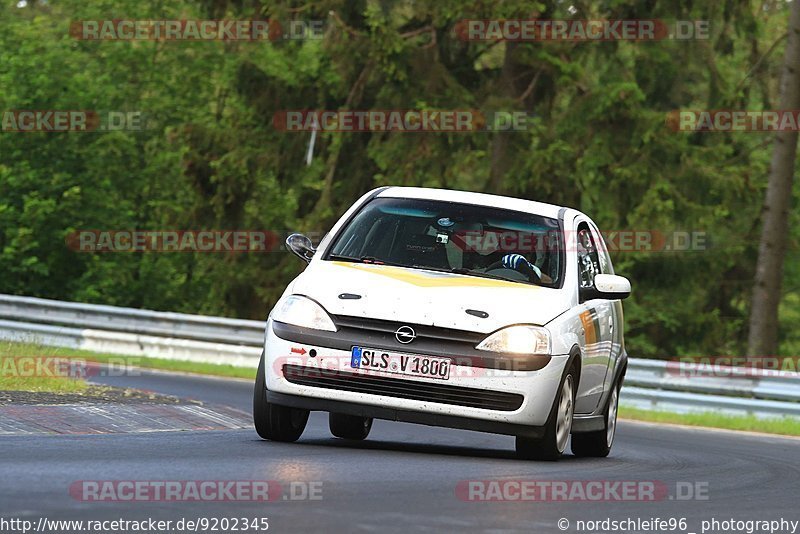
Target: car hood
<point>432,298</point>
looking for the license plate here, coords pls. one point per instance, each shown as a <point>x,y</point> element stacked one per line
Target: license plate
<point>400,363</point>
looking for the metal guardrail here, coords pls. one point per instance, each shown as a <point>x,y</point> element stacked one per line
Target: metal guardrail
<point>685,388</point>
<point>131,331</point>
<point>132,320</point>
<point>650,384</point>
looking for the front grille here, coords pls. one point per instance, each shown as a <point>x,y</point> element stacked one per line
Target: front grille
<point>403,389</point>
<point>424,332</point>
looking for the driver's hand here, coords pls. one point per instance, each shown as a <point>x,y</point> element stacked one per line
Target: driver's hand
<point>514,261</point>
<point>522,265</point>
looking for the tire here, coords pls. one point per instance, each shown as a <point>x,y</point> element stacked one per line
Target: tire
<point>598,444</point>
<point>349,426</point>
<point>274,422</point>
<point>551,446</point>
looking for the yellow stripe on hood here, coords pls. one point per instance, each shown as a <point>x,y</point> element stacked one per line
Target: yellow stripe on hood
<point>429,278</point>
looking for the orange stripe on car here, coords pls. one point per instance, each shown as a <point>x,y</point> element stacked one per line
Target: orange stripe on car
<point>590,332</point>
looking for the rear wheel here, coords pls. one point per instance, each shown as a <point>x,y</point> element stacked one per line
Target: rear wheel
<point>273,422</point>
<point>559,425</point>
<point>598,444</point>
<point>349,426</point>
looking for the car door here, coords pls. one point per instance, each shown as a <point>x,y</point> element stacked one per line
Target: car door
<point>596,317</point>
<point>616,343</point>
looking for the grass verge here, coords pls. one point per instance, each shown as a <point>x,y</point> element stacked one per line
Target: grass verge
<point>25,367</point>
<point>17,373</point>
<point>43,383</point>
<point>785,426</point>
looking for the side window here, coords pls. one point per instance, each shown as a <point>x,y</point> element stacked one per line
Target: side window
<point>602,252</point>
<point>588,261</point>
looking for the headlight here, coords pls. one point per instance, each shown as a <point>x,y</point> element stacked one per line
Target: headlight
<point>302,311</point>
<point>518,340</point>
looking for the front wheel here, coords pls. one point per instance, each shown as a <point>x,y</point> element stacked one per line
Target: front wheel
<point>598,444</point>
<point>559,425</point>
<point>349,426</point>
<point>274,422</point>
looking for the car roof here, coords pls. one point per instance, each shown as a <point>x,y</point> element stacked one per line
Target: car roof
<point>467,197</point>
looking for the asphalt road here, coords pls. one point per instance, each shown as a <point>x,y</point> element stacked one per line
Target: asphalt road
<point>403,478</point>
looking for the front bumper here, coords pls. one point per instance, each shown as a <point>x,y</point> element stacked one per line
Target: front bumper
<point>536,388</point>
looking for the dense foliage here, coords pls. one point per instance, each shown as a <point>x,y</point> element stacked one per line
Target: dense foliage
<point>211,158</point>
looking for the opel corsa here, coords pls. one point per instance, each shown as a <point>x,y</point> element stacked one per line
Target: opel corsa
<point>454,309</point>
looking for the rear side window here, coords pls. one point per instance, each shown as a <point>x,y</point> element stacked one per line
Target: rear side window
<point>588,257</point>
<point>606,267</point>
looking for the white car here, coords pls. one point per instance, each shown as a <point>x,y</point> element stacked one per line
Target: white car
<point>454,309</point>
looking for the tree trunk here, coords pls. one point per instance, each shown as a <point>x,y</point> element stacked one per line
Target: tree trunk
<point>500,150</point>
<point>763,335</point>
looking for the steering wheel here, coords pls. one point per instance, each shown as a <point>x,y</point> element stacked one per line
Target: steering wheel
<point>522,267</point>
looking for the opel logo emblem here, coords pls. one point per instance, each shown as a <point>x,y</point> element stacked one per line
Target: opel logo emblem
<point>405,334</point>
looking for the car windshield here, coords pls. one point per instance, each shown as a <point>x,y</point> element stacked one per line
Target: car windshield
<point>461,238</point>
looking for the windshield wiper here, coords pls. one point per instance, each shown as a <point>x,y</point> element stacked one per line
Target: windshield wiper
<point>372,260</point>
<point>464,271</point>
<point>363,259</point>
<point>471,272</point>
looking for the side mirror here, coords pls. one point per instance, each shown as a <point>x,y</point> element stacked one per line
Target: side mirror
<point>301,246</point>
<point>607,286</point>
